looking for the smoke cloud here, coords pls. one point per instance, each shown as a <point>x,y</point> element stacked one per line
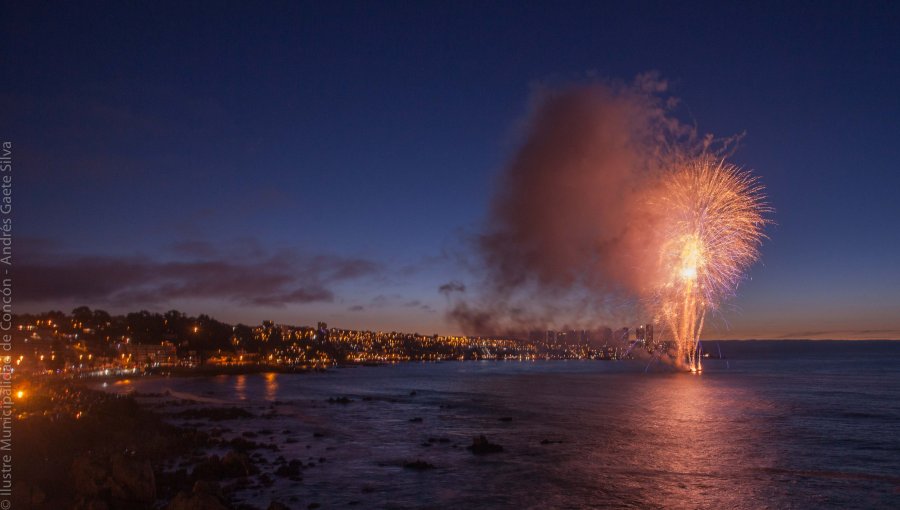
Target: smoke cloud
<point>565,242</point>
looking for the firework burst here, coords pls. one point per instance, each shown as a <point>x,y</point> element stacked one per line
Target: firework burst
<point>713,215</point>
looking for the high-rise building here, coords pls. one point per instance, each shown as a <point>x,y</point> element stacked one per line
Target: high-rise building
<point>604,336</point>
<point>551,336</point>
<point>644,334</point>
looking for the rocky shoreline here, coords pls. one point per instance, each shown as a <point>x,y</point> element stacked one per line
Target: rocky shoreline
<point>85,449</point>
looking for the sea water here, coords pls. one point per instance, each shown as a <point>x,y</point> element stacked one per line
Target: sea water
<point>773,425</point>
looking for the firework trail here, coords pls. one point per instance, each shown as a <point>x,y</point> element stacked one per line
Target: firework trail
<point>709,233</point>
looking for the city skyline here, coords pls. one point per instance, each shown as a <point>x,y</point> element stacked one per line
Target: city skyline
<point>306,166</point>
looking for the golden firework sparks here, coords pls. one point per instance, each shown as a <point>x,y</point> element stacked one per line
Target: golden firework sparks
<point>713,215</point>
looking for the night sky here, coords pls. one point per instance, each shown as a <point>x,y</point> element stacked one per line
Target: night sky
<point>330,161</point>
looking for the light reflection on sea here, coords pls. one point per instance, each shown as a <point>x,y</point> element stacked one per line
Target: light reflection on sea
<point>778,429</point>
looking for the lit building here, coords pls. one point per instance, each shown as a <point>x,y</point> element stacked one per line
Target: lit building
<point>162,354</point>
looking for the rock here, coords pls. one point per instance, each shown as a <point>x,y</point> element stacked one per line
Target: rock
<point>481,446</point>
<point>208,469</point>
<point>415,420</point>
<point>205,495</point>
<point>88,476</point>
<point>418,465</point>
<point>290,470</point>
<point>277,506</point>
<point>34,497</point>
<point>237,485</point>
<point>170,482</point>
<point>506,418</point>
<point>132,479</point>
<point>93,504</point>
<point>209,487</point>
<point>238,464</point>
<point>195,501</point>
<point>233,465</point>
<point>120,479</point>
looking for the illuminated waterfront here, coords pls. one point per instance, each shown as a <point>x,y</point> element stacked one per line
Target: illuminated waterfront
<point>94,343</point>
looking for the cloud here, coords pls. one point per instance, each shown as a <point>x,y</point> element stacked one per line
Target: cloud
<point>270,280</point>
<point>415,303</point>
<point>451,287</point>
<point>844,334</point>
<point>379,301</point>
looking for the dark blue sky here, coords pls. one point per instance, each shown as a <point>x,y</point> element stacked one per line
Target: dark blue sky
<point>326,160</point>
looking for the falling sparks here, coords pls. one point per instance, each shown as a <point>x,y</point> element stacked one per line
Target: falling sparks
<point>713,215</point>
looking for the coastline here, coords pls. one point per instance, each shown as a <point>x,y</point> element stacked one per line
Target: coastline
<point>298,441</point>
<point>84,448</point>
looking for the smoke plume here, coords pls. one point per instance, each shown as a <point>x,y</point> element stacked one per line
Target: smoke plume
<point>565,242</point>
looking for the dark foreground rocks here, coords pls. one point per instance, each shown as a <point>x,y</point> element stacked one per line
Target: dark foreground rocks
<point>85,449</point>
<point>203,496</point>
<point>117,481</point>
<point>418,465</point>
<point>481,446</point>
<point>232,465</point>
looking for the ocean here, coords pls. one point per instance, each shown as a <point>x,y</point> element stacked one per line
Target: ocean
<point>774,425</point>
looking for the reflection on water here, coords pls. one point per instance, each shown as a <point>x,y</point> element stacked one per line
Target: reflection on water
<point>776,433</point>
<point>271,385</point>
<point>240,387</point>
